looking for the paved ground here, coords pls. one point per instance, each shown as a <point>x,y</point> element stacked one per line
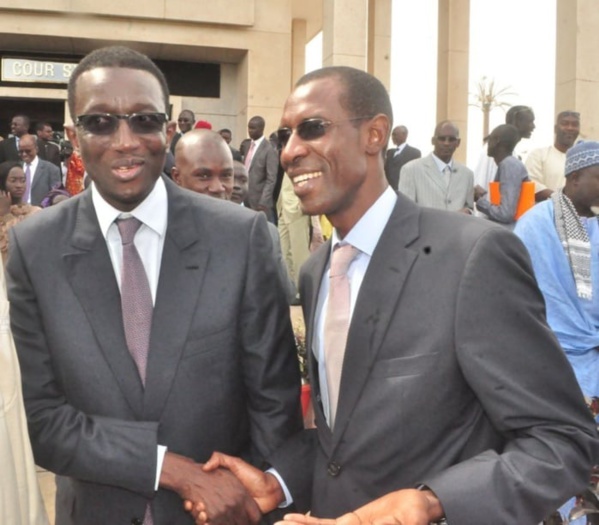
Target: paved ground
<point>46,479</point>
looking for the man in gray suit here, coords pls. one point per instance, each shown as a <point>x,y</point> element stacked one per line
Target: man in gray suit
<point>124,425</point>
<point>438,181</point>
<point>262,162</point>
<point>455,399</point>
<point>43,175</point>
<point>399,156</point>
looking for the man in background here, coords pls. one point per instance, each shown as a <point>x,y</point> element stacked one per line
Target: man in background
<point>438,181</point>
<point>40,175</point>
<point>185,121</point>
<point>545,166</point>
<point>9,148</point>
<point>47,149</point>
<point>401,154</point>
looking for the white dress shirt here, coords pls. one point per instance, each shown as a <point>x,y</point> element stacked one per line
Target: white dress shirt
<point>149,241</point>
<point>364,236</point>
<point>32,168</point>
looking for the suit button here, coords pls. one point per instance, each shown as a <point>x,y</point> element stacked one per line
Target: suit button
<point>137,521</point>
<point>333,469</point>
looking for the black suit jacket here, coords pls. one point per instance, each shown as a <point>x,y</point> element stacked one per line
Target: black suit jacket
<point>222,372</point>
<point>8,150</point>
<point>451,378</point>
<point>394,163</point>
<point>48,151</point>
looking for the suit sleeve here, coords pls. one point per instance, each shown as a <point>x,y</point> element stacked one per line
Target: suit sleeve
<point>406,182</point>
<point>270,366</point>
<point>272,169</point>
<point>550,438</point>
<point>66,440</point>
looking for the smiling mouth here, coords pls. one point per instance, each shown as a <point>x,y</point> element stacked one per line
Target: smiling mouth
<point>301,180</point>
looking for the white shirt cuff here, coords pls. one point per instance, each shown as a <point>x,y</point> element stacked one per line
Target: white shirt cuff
<point>288,499</point>
<point>161,452</point>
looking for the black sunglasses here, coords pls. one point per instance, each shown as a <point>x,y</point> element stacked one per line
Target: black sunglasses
<point>108,123</point>
<point>310,129</point>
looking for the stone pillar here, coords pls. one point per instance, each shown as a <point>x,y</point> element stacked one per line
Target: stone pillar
<point>345,33</point>
<point>453,67</point>
<point>379,40</point>
<point>577,69</point>
<point>298,50</point>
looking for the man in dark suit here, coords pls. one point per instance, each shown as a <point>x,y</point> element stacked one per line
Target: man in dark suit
<point>185,120</point>
<point>43,175</point>
<point>9,148</point>
<point>398,156</point>
<point>46,148</point>
<point>121,417</point>
<point>262,162</point>
<point>454,398</point>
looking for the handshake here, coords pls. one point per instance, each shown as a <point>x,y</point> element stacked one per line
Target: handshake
<point>228,491</point>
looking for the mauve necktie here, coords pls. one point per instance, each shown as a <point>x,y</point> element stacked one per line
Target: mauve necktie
<point>336,324</point>
<point>250,154</point>
<point>136,302</point>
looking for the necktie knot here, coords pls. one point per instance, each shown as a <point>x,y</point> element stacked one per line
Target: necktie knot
<point>128,228</point>
<point>342,257</point>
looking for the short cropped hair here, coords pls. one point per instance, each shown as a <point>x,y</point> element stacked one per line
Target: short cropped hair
<point>365,95</point>
<point>117,57</point>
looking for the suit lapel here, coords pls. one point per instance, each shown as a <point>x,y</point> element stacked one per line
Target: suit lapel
<point>432,172</point>
<point>184,262</point>
<point>376,304</point>
<point>90,272</point>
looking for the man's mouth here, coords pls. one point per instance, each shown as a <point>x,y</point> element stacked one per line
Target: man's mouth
<point>301,180</point>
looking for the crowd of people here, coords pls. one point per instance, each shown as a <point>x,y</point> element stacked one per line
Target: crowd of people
<point>450,357</point>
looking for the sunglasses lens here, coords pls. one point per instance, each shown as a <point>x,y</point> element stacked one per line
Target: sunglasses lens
<point>283,135</point>
<point>147,122</point>
<point>101,124</point>
<point>311,129</point>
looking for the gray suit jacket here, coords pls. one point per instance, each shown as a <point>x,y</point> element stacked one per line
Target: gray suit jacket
<point>422,182</point>
<point>45,177</point>
<point>263,176</point>
<point>222,372</point>
<point>451,378</point>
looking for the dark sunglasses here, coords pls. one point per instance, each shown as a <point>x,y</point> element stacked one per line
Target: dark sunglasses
<point>108,123</point>
<point>310,129</point>
<point>447,138</point>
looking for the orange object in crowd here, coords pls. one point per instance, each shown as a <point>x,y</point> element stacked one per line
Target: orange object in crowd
<point>525,201</point>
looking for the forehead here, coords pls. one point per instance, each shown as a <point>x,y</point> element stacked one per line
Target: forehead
<point>208,153</point>
<point>317,98</point>
<point>185,115</point>
<point>447,129</point>
<point>17,171</point>
<point>568,119</point>
<point>114,89</point>
<point>26,143</point>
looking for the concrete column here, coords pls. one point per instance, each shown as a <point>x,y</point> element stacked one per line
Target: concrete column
<point>453,67</point>
<point>345,33</point>
<point>577,68</point>
<point>298,50</point>
<point>379,40</point>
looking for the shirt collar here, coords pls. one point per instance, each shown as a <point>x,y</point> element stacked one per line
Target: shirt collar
<point>34,163</point>
<point>152,211</point>
<point>440,164</point>
<point>257,142</point>
<point>367,231</point>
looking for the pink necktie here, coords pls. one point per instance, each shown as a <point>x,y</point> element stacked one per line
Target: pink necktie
<point>336,324</point>
<point>250,154</point>
<point>137,306</point>
<point>27,183</point>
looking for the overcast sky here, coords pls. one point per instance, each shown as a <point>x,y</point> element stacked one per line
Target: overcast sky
<point>512,41</point>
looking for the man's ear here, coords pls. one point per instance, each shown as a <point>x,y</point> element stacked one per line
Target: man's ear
<point>378,134</point>
<point>72,135</point>
<point>175,175</point>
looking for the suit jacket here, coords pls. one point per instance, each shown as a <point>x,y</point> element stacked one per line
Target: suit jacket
<point>45,177</point>
<point>8,150</point>
<point>262,176</point>
<point>451,378</point>
<point>422,182</point>
<point>394,163</point>
<point>48,151</point>
<point>222,372</point>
